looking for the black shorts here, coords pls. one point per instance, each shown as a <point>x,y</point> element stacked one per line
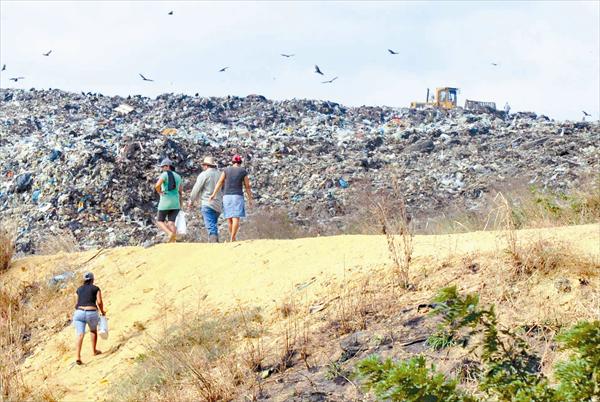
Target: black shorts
<point>168,215</point>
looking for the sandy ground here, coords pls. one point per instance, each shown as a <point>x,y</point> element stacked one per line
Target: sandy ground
<point>157,286</point>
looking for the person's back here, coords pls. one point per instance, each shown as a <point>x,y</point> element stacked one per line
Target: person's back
<point>209,179</point>
<point>86,295</point>
<point>169,199</point>
<point>234,180</point>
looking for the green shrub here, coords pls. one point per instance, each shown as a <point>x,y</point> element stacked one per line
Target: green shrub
<point>579,376</point>
<point>409,380</point>
<point>456,314</point>
<point>510,371</point>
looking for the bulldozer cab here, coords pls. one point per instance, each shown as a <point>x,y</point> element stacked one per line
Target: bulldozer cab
<point>446,98</point>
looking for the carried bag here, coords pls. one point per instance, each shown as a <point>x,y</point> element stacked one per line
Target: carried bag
<point>180,223</point>
<point>103,327</point>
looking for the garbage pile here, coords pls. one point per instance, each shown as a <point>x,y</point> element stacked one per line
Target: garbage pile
<point>87,163</point>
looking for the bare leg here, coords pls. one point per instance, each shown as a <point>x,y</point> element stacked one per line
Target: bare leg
<point>79,342</point>
<point>234,228</point>
<point>94,336</point>
<point>173,229</point>
<point>163,226</point>
<point>230,224</point>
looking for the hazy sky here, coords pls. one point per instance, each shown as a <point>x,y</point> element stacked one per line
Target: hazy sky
<point>548,53</point>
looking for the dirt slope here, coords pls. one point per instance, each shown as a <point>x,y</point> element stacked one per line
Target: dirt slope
<point>155,287</point>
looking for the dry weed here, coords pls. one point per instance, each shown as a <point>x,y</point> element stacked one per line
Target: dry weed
<point>14,334</point>
<point>7,247</point>
<point>196,358</point>
<point>61,241</point>
<point>390,210</point>
<point>545,257</point>
<point>272,223</point>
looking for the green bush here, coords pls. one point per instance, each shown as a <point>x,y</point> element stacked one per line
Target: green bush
<point>579,376</point>
<point>456,313</point>
<point>510,371</point>
<point>409,381</point>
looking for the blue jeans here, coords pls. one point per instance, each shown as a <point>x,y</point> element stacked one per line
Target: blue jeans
<point>210,220</point>
<point>81,318</point>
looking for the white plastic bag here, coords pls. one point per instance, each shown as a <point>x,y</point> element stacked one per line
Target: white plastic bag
<point>180,223</point>
<point>103,327</point>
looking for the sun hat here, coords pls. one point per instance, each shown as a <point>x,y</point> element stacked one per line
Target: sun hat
<point>88,276</point>
<point>209,161</point>
<point>166,162</point>
<point>236,159</point>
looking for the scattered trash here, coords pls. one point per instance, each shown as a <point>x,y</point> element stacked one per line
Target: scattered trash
<point>124,109</point>
<point>60,279</point>
<point>89,160</point>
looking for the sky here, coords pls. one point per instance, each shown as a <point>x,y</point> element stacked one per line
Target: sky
<point>547,53</point>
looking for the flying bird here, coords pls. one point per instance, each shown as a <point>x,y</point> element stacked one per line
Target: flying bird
<point>329,81</point>
<point>170,12</point>
<point>318,70</point>
<point>287,55</point>
<point>47,54</point>
<point>494,64</point>
<point>15,79</point>
<point>586,113</point>
<point>392,52</point>
<point>144,78</point>
<point>223,69</point>
<point>3,67</point>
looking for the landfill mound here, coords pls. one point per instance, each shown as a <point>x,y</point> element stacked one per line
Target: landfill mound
<point>86,163</point>
<point>149,291</point>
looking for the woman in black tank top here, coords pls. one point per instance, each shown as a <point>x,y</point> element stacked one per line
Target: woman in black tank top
<point>89,301</point>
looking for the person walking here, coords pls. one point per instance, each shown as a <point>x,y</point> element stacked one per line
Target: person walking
<point>506,110</point>
<point>232,180</point>
<point>169,186</point>
<point>210,208</point>
<point>89,301</point>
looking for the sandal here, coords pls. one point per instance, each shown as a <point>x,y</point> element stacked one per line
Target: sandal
<point>78,362</point>
<point>97,352</point>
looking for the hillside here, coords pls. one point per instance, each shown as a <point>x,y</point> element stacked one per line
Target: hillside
<point>83,165</point>
<point>148,291</point>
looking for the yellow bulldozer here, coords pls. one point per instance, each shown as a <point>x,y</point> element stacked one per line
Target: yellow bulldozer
<point>447,98</point>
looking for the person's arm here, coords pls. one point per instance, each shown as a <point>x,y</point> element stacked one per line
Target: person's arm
<point>158,185</point>
<point>181,190</point>
<point>218,187</point>
<point>100,303</point>
<point>248,190</point>
<point>198,187</point>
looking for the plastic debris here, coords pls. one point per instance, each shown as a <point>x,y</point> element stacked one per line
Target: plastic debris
<point>75,162</point>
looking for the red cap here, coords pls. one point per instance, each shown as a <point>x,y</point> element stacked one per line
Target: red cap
<point>236,159</point>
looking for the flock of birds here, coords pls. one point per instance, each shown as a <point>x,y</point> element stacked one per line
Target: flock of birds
<point>224,69</point>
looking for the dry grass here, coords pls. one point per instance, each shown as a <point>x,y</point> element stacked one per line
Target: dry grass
<point>60,241</point>
<point>20,326</point>
<point>7,247</point>
<point>529,207</point>
<point>545,258</point>
<point>394,221</point>
<point>14,334</point>
<point>197,359</point>
<point>271,223</point>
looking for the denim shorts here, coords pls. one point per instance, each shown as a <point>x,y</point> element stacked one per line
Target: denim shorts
<point>81,317</point>
<point>233,206</point>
